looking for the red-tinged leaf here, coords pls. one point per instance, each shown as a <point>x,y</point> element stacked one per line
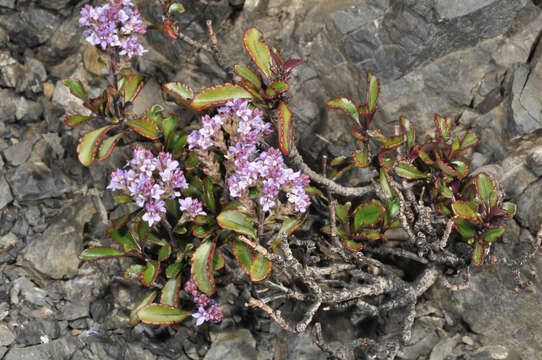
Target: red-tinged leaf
<point>218,95</point>
<point>162,314</point>
<point>312,191</point>
<point>368,214</point>
<point>124,238</point>
<point>442,125</point>
<point>510,209</point>
<point>174,269</point>
<point>180,92</point>
<point>361,157</point>
<point>73,120</point>
<point>363,110</point>
<point>133,86</point>
<point>133,271</point>
<point>387,159</point>
<point>465,210</point>
<point>88,145</point>
<point>168,125</point>
<point>347,106</point>
<point>447,169</point>
<point>461,168</point>
<point>202,231</point>
<point>208,195</point>
<point>249,75</point>
<point>201,267</point>
<point>202,220</point>
<point>277,56</point>
<point>371,235</point>
<point>493,234</point>
<point>97,253</point>
<point>392,210</point>
<point>444,189</point>
<point>270,93</point>
<point>176,143</point>
<point>291,64</point>
<point>341,211</point>
<point>443,209</point>
<point>218,261</point>
<point>280,86</point>
<point>170,292</point>
<point>176,8</point>
<point>408,131</point>
<point>144,127</point>
<point>478,254</point>
<point>408,171</point>
<point>252,90</point>
<point>146,301</point>
<point>338,161</point>
<point>258,50</point>
<point>359,135</point>
<point>289,225</point>
<point>425,157</point>
<point>373,90</point>
<point>385,185</point>
<point>285,128</point>
<point>154,113</point>
<point>77,89</point>
<point>237,221</point>
<point>172,34</point>
<point>392,142</point>
<point>123,220</point>
<point>464,227</point>
<point>150,273</point>
<point>469,140</point>
<point>352,245</point>
<point>164,253</point>
<point>260,268</point>
<point>243,254</point>
<point>485,186</point>
<point>107,146</point>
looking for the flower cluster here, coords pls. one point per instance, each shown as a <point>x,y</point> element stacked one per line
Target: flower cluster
<point>150,181</point>
<point>211,313</point>
<point>251,167</point>
<point>115,24</point>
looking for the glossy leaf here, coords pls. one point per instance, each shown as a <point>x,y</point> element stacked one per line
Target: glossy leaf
<point>493,234</point>
<point>368,214</point>
<point>201,267</point>
<point>342,212</point>
<point>478,254</point>
<point>409,131</point>
<point>470,139</point>
<point>173,269</point>
<point>146,301</point>
<point>164,253</point>
<point>258,50</point>
<point>442,127</point>
<point>338,161</point>
<point>285,127</point>
<point>154,113</point>
<point>238,222</point>
<point>168,125</point>
<point>289,225</point>
<point>73,120</point>
<point>124,238</point>
<point>361,157</point>
<point>150,273</point>
<point>385,185</point>
<point>144,127</point>
<point>351,244</point>
<point>161,314</point>
<point>408,171</point>
<point>510,208</point>
<point>243,254</point>
<point>107,146</point>
<point>347,106</point>
<point>88,145</point>
<point>260,268</point>
<point>484,187</point>
<point>464,210</point>
<point>97,253</point>
<point>181,93</point>
<point>77,89</point>
<point>373,90</point>
<point>461,168</point>
<point>386,159</point>
<point>444,189</point>
<point>218,261</point>
<point>392,210</point>
<point>170,292</point>
<point>371,235</point>
<point>176,7</point>
<point>291,64</point>
<point>465,227</point>
<point>133,271</point>
<point>280,86</point>
<point>133,86</point>
<point>218,95</point>
<point>249,75</point>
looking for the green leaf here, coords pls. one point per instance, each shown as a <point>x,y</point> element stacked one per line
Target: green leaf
<point>280,86</point>
<point>373,90</point>
<point>409,132</point>
<point>342,212</point>
<point>447,169</point>
<point>124,238</point>
<point>77,89</point>
<point>144,127</point>
<point>466,228</point>
<point>347,106</point>
<point>484,187</point>
<point>387,159</point>
<point>464,210</point>
<point>180,92</point>
<point>161,314</point>
<point>461,168</point>
<point>169,124</point>
<point>202,231</point>
<point>493,234</point>
<point>408,171</point>
<point>385,185</point>
<point>258,51</point>
<point>88,145</point>
<point>150,273</point>
<point>97,253</point>
<point>392,210</point>
<point>133,271</point>
<point>176,7</point>
<point>243,254</point>
<point>218,95</point>
<point>107,146</point>
<point>208,195</point>
<point>238,222</point>
<point>146,301</point>
<point>338,161</point>
<point>444,189</point>
<point>510,208</point>
<point>368,214</point>
<point>201,267</point>
<point>260,268</point>
<point>173,269</point>
<point>218,261</point>
<point>470,139</point>
<point>122,199</point>
<point>73,120</point>
<point>170,292</point>
<point>351,244</point>
<point>154,113</point>
<point>164,253</point>
<point>133,86</point>
<point>249,75</point>
<point>311,190</point>
<point>361,157</point>
<point>176,143</point>
<point>442,126</point>
<point>285,128</point>
<point>289,225</point>
<point>478,254</point>
<point>371,235</point>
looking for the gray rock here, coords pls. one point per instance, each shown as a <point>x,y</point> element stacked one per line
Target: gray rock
<point>530,206</point>
<point>495,352</point>
<point>449,9</point>
<point>534,161</point>
<point>34,74</point>
<point>62,348</point>
<point>56,253</point>
<point>353,17</point>
<point>53,4</point>
<point>22,287</point>
<point>238,344</point>
<point>7,337</point>
<point>30,27</point>
<point>526,106</point>
<point>444,347</point>
<point>33,332</point>
<point>27,110</point>
<point>8,240</point>
<point>10,70</point>
<point>8,106</point>
<point>5,193</point>
<point>9,4</point>
<point>17,154</point>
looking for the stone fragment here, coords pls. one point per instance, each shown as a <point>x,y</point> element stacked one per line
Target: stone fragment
<point>444,347</point>
<point>33,332</point>
<point>17,154</point>
<point>62,348</point>
<point>7,337</point>
<point>239,344</point>
<point>526,105</point>
<point>5,193</point>
<point>449,9</point>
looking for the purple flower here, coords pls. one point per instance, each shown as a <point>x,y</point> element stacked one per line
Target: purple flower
<point>154,211</point>
<point>191,207</point>
<point>118,180</point>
